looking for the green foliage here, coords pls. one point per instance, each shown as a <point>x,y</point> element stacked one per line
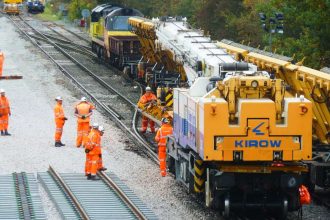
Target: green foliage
<point>306,24</point>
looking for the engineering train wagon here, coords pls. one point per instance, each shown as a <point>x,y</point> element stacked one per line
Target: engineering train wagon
<point>240,139</point>
<point>12,6</point>
<point>35,6</point>
<point>112,39</point>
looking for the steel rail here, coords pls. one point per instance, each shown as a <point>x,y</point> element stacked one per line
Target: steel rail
<point>73,33</point>
<point>87,49</point>
<point>68,192</point>
<point>134,134</point>
<point>111,184</point>
<point>24,201</point>
<point>67,46</point>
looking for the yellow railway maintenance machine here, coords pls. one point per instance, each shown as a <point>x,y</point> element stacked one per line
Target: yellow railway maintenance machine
<point>239,137</point>
<point>242,143</point>
<point>300,80</point>
<point>12,6</point>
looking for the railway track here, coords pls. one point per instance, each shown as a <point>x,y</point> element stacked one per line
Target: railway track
<point>107,198</point>
<point>115,104</point>
<point>19,197</point>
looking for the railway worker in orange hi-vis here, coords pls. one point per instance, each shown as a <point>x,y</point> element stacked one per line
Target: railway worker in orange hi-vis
<point>163,132</point>
<point>59,121</point>
<point>147,99</point>
<point>83,111</point>
<point>4,113</point>
<point>93,152</point>
<point>2,58</point>
<point>87,145</point>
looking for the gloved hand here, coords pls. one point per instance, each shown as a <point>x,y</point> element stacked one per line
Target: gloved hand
<point>65,118</point>
<point>100,155</point>
<point>87,151</point>
<point>83,116</point>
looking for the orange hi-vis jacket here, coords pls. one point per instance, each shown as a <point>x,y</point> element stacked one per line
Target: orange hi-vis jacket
<point>4,106</point>
<point>84,108</point>
<point>59,113</point>
<point>147,98</point>
<point>162,134</point>
<point>93,143</point>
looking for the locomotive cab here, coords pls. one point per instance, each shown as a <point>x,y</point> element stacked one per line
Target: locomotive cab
<point>122,46</point>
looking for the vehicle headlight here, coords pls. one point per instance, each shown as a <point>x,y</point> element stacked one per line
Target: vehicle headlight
<point>254,84</point>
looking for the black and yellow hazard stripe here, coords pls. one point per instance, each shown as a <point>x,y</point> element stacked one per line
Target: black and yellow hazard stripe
<point>169,98</point>
<point>199,177</point>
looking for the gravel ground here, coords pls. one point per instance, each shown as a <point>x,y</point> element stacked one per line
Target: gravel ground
<point>30,148</point>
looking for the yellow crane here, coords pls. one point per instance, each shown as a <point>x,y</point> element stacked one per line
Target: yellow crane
<point>300,80</point>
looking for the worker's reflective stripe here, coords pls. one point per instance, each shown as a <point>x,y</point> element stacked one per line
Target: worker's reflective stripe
<point>59,129</point>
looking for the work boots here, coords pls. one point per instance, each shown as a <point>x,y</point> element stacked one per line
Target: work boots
<point>5,133</point>
<point>94,177</point>
<point>58,144</point>
<point>61,143</point>
<point>89,176</point>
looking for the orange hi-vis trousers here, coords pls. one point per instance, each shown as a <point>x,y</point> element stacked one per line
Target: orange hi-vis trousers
<point>162,159</point>
<point>82,131</point>
<point>59,130</point>
<point>4,122</point>
<point>93,163</point>
<point>145,121</point>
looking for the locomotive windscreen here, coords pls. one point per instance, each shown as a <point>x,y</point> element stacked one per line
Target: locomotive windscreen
<point>118,23</point>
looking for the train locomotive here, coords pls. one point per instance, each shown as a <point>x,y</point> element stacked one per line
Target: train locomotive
<point>112,39</point>
<point>12,6</point>
<point>239,138</point>
<point>35,6</point>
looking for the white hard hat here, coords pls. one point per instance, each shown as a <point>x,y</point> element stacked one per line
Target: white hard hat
<point>83,99</point>
<point>2,91</point>
<point>95,125</point>
<point>165,120</point>
<point>58,98</point>
<point>148,88</point>
<point>101,128</point>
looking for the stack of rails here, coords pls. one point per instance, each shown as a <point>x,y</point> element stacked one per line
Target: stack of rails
<point>78,198</point>
<point>19,197</point>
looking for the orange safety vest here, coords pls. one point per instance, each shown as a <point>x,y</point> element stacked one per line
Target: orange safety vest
<point>84,108</point>
<point>59,113</point>
<point>147,98</point>
<point>165,131</point>
<point>93,142</point>
<point>4,106</point>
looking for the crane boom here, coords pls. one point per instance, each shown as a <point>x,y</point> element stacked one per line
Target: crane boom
<point>301,80</point>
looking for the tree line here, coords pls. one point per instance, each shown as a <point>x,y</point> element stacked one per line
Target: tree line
<point>306,22</point>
